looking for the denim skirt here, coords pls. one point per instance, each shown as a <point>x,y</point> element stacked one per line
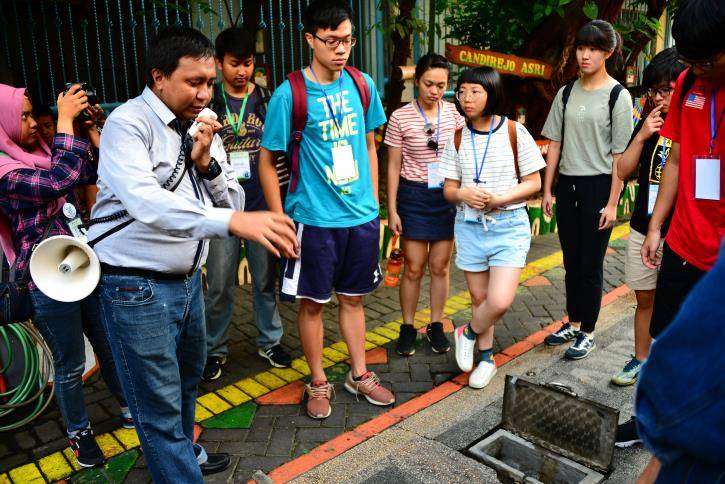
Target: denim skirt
<point>424,213</point>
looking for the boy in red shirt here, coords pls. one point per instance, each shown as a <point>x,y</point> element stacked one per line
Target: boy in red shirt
<point>695,169</point>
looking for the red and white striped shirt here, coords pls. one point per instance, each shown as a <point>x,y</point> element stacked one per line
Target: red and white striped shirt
<point>406,130</point>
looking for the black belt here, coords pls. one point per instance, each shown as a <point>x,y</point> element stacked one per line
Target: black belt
<point>144,273</point>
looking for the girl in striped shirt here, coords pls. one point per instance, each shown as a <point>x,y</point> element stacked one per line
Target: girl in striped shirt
<point>415,136</point>
<point>490,168</point>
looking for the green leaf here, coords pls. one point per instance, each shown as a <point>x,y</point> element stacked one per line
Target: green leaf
<point>591,10</point>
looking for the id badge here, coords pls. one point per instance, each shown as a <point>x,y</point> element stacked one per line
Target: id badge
<point>652,198</point>
<point>472,215</point>
<point>707,177</point>
<point>435,180</point>
<point>343,163</point>
<point>241,164</point>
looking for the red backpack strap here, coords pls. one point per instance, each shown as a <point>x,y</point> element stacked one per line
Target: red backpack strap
<point>515,147</point>
<point>457,136</point>
<point>362,86</point>
<point>299,121</point>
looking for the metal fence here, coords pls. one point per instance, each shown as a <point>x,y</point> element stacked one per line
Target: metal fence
<point>46,43</point>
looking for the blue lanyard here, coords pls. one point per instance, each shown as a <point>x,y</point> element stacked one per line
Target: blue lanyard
<point>479,169</point>
<point>327,98</point>
<point>714,128</point>
<point>427,123</point>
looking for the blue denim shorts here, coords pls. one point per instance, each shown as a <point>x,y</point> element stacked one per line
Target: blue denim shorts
<point>504,241</point>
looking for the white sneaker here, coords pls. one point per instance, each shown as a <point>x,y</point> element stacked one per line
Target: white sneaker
<point>483,373</point>
<point>464,349</point>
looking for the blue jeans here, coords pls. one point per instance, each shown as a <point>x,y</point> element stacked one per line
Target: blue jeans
<point>62,326</point>
<point>156,331</point>
<point>222,265</point>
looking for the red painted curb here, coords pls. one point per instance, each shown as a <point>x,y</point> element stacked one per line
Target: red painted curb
<point>361,433</point>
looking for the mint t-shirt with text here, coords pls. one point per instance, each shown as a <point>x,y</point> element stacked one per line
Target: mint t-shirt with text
<point>318,199</point>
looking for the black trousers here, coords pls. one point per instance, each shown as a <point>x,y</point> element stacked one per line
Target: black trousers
<point>579,200</point>
<point>675,280</point>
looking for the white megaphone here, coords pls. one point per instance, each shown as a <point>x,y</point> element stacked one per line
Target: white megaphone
<point>65,268</point>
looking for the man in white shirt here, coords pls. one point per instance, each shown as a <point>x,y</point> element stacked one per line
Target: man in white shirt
<point>162,193</point>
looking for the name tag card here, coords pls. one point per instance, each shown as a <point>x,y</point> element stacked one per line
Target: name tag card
<point>343,163</point>
<point>652,197</point>
<point>472,215</point>
<point>707,177</point>
<point>435,180</point>
<point>241,164</point>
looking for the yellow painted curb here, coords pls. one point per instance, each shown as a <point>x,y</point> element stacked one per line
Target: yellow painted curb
<point>55,467</point>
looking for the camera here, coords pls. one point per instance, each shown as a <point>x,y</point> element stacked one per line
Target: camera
<point>90,93</point>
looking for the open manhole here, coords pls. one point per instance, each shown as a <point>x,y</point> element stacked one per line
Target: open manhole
<point>549,435</point>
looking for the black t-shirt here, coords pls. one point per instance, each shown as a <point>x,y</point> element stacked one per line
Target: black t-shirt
<point>650,173</point>
<point>249,139</point>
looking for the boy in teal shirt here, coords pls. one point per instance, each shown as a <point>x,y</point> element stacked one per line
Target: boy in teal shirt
<point>333,200</point>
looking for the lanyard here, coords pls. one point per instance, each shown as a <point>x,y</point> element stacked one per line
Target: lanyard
<point>427,123</point>
<point>240,117</point>
<point>478,169</point>
<point>714,128</point>
<point>663,158</point>
<point>327,99</point>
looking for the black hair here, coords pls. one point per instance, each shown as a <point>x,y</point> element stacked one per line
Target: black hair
<point>664,68</point>
<point>601,34</point>
<point>430,61</point>
<point>43,110</point>
<point>696,28</point>
<point>235,41</point>
<point>173,43</point>
<point>490,80</point>
<point>325,14</point>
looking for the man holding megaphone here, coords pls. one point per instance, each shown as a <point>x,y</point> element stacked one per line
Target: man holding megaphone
<point>162,193</point>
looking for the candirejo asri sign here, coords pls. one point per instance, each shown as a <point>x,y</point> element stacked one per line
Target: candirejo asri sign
<point>504,63</point>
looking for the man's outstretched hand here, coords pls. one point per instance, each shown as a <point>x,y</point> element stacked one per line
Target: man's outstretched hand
<point>275,231</point>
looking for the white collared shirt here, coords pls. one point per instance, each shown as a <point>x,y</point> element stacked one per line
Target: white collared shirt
<point>138,152</point>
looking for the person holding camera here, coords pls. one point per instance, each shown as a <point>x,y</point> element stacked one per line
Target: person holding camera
<point>37,201</point>
<point>163,192</point>
<point>415,138</point>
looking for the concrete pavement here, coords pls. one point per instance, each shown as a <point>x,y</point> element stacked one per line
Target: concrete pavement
<point>426,447</point>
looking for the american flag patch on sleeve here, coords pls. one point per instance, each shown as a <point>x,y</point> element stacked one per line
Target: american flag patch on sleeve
<point>695,100</point>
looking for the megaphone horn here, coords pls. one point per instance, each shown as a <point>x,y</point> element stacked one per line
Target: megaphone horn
<point>65,268</point>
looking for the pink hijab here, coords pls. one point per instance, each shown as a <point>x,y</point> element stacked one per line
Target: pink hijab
<point>11,109</point>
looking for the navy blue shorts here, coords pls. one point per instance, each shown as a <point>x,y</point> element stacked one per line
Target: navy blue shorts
<point>424,213</point>
<point>340,260</point>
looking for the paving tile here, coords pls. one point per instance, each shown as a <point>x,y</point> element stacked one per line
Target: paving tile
<point>322,434</point>
<point>239,417</point>
<point>55,466</point>
<point>289,394</point>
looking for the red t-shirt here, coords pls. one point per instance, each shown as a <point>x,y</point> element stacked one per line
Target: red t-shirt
<point>698,226</point>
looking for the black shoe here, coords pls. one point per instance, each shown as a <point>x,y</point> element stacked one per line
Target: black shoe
<point>406,340</point>
<point>437,338</point>
<point>562,335</point>
<point>86,449</point>
<point>215,462</point>
<point>627,434</point>
<point>213,368</point>
<point>277,356</point>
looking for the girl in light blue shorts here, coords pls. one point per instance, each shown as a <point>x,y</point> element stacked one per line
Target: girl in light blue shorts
<point>491,167</point>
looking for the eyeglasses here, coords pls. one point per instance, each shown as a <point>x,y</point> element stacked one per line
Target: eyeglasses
<point>466,95</point>
<point>705,65</point>
<point>430,131</point>
<point>333,43</point>
<point>662,91</point>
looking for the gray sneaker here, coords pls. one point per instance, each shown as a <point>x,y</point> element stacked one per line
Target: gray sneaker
<point>581,347</point>
<point>566,333</point>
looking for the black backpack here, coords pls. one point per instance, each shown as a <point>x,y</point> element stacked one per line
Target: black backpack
<point>613,96</point>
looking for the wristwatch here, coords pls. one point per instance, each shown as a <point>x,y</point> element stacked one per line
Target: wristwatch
<point>213,171</point>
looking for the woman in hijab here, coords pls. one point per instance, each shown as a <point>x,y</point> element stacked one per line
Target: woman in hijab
<point>36,191</point>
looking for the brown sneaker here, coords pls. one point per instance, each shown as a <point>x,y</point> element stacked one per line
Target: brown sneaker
<point>369,387</point>
<point>318,400</point>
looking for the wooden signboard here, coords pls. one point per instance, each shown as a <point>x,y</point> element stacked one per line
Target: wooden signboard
<point>504,63</point>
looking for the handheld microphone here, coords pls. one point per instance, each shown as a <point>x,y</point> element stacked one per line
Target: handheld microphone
<point>206,113</point>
